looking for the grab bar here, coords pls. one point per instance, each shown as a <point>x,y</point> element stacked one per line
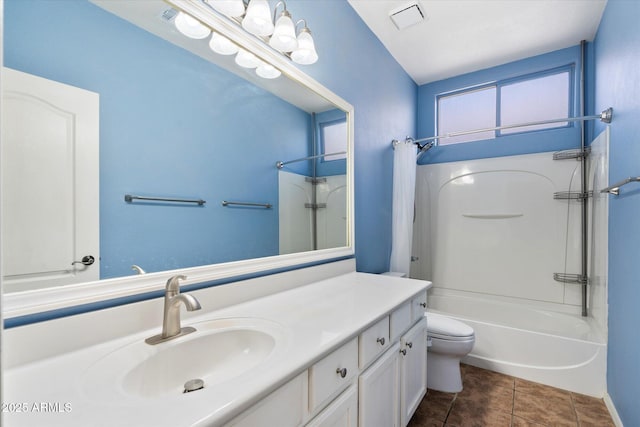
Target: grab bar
<point>257,205</point>
<point>615,188</point>
<point>130,198</point>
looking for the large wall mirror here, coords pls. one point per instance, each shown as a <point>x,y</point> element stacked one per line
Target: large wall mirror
<point>129,149</point>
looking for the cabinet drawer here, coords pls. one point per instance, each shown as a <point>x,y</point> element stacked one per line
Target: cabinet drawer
<point>326,377</point>
<point>418,306</point>
<point>400,321</point>
<point>373,341</point>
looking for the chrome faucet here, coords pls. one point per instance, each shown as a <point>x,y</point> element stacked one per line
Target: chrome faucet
<point>138,269</point>
<point>171,321</point>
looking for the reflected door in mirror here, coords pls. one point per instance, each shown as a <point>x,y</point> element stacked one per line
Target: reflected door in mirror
<point>50,182</point>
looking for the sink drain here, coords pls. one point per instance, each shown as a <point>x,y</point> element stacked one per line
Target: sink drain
<point>193,385</point>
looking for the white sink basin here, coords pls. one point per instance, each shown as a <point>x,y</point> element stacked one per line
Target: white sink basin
<point>219,351</point>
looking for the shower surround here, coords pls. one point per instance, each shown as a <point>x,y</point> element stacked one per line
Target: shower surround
<point>490,235</point>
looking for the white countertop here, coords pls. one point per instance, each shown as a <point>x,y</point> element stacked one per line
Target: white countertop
<point>314,319</point>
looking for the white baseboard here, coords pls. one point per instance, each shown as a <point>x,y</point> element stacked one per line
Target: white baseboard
<point>612,410</point>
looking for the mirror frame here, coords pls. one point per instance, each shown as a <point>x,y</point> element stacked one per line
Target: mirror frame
<point>106,293</point>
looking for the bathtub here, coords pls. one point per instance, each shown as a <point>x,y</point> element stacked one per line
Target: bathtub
<point>558,349</point>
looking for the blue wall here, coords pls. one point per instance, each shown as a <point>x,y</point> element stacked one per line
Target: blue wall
<point>617,71</point>
<point>355,65</point>
<point>508,145</point>
<point>171,124</point>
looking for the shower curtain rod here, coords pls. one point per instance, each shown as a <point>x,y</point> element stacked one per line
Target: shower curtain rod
<point>280,165</point>
<point>605,117</point>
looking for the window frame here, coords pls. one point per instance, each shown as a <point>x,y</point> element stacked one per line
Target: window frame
<point>499,84</point>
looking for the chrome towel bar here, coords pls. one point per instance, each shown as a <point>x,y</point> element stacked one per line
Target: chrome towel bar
<point>255,205</point>
<point>130,198</point>
<point>615,188</point>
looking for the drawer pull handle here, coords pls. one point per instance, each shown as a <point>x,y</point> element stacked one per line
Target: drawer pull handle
<point>410,344</point>
<point>404,352</point>
<point>342,372</point>
<point>423,304</point>
<point>380,340</point>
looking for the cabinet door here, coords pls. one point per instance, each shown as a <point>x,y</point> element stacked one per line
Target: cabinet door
<point>285,407</point>
<point>413,370</point>
<point>342,412</point>
<point>378,391</point>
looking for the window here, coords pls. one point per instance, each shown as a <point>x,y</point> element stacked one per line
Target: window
<point>474,109</point>
<point>523,100</point>
<point>334,139</point>
<point>535,100</point>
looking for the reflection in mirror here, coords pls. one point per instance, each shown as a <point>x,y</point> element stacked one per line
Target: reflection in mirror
<point>97,108</point>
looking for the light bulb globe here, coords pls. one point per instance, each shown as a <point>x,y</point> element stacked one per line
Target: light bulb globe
<point>190,26</point>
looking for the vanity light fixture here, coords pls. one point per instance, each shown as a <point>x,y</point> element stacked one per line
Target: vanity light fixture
<point>191,27</point>
<point>279,32</point>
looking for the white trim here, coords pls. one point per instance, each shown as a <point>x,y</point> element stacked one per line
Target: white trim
<point>612,410</point>
<point>30,302</point>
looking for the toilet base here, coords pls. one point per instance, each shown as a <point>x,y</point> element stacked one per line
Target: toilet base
<point>443,373</point>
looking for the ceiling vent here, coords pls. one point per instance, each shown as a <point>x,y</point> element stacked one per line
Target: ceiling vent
<point>168,15</point>
<point>406,16</point>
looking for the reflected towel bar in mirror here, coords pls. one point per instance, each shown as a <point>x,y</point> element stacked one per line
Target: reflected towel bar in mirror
<point>615,188</point>
<point>255,205</point>
<point>130,198</point>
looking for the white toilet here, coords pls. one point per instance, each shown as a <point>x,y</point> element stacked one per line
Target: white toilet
<point>448,341</point>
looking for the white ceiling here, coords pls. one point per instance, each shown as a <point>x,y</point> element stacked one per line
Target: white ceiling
<point>460,36</point>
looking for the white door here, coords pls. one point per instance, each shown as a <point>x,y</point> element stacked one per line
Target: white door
<point>50,191</point>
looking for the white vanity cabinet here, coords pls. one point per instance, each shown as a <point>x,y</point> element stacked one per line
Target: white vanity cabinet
<point>376,379</point>
<point>334,360</point>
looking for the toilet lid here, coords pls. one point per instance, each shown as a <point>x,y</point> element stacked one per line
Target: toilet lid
<point>442,326</point>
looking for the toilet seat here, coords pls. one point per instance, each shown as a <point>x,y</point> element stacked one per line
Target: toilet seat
<point>445,328</point>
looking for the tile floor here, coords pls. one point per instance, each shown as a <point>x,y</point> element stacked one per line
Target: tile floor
<point>490,399</point>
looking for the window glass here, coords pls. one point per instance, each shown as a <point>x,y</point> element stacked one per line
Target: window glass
<point>470,110</point>
<point>334,139</point>
<point>533,100</point>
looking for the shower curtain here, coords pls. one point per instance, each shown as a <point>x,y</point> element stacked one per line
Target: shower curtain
<point>404,183</point>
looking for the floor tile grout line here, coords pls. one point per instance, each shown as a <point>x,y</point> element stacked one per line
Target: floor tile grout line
<point>575,411</point>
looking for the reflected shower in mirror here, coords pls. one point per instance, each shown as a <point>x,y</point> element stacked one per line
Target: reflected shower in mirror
<point>145,112</point>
